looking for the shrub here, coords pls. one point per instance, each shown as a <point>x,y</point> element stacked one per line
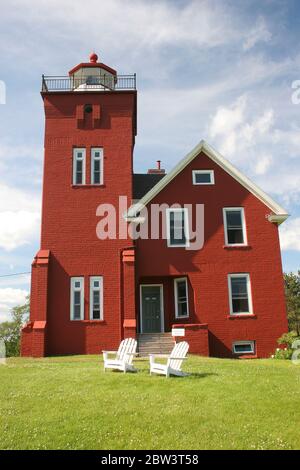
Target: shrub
<point>287,340</point>
<point>10,331</point>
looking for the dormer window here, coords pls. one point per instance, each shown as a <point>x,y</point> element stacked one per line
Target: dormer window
<point>203,177</point>
<point>79,166</point>
<point>97,166</point>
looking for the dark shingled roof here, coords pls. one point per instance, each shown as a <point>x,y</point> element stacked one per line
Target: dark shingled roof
<point>142,183</point>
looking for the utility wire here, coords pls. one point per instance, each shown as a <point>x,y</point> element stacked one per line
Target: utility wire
<point>14,274</point>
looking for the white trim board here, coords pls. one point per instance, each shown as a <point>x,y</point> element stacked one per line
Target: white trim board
<point>279,213</point>
<point>176,280</point>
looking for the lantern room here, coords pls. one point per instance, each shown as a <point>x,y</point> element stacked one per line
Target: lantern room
<point>92,75</point>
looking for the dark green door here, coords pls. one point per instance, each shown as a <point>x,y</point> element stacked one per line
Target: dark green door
<point>151,309</point>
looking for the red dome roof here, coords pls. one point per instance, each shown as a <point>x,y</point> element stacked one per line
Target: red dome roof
<point>93,57</point>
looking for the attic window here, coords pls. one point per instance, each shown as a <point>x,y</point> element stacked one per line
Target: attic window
<point>88,108</point>
<point>203,177</point>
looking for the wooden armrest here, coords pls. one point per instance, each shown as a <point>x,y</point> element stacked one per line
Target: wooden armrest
<point>178,358</point>
<point>162,356</point>
<point>110,352</point>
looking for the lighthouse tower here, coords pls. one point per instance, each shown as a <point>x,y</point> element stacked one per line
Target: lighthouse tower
<point>82,288</point>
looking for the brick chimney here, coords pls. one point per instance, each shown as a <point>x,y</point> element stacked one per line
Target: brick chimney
<point>158,170</point>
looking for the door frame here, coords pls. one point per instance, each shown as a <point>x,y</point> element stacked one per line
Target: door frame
<point>162,313</point>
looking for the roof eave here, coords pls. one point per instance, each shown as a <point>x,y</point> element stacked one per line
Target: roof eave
<point>277,218</point>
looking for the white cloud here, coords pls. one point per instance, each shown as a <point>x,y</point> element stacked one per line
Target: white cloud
<point>230,124</point>
<point>263,164</point>
<point>290,235</point>
<point>10,298</point>
<point>14,199</point>
<point>259,33</point>
<point>18,228</point>
<point>227,119</point>
<point>19,217</point>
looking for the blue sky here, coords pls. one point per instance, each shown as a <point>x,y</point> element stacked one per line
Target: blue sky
<point>218,70</point>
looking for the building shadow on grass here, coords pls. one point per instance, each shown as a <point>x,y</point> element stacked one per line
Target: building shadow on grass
<point>201,375</point>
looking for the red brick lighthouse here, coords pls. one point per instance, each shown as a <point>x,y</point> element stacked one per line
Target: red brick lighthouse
<point>213,278</point>
<point>90,129</point>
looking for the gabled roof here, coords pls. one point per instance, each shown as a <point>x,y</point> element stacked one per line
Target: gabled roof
<point>278,215</point>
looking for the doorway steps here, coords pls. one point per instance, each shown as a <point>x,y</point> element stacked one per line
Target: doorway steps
<point>155,343</point>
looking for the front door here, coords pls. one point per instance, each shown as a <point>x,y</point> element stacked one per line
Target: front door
<point>151,304</point>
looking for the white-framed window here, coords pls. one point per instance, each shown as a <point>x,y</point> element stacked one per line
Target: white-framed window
<point>79,166</point>
<point>181,297</point>
<point>96,298</point>
<point>234,226</point>
<point>177,227</point>
<point>96,166</point>
<point>203,177</point>
<point>243,347</point>
<point>77,298</point>
<point>240,298</point>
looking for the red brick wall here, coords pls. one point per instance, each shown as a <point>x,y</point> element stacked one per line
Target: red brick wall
<point>197,337</point>
<point>69,215</point>
<point>207,269</point>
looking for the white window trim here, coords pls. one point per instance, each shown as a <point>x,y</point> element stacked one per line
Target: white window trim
<point>201,172</point>
<point>241,209</point>
<point>180,279</point>
<point>100,288</point>
<point>75,159</point>
<point>251,343</point>
<point>72,290</point>
<point>186,227</point>
<point>162,319</point>
<point>247,276</point>
<point>93,151</point>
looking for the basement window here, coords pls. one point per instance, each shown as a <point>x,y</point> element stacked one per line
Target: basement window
<point>203,177</point>
<point>243,347</point>
<point>177,227</point>
<point>97,166</point>
<point>77,298</point>
<point>181,297</point>
<point>234,226</point>
<point>96,298</point>
<point>240,294</point>
<point>79,166</point>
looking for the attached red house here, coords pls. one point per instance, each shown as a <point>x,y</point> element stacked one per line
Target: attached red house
<point>212,271</point>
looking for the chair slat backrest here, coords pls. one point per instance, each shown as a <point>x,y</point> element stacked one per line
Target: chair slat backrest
<point>127,346</point>
<point>179,351</point>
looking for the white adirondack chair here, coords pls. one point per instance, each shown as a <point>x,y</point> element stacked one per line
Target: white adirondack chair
<point>174,362</point>
<point>123,357</point>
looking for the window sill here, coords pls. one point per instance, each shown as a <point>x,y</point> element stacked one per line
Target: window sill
<point>75,186</point>
<point>245,356</point>
<point>241,316</point>
<point>88,321</point>
<point>178,246</point>
<point>237,247</point>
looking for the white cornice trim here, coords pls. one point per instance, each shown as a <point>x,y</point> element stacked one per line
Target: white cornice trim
<point>277,218</point>
<point>203,146</point>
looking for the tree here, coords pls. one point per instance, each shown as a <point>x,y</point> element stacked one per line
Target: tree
<point>292,292</point>
<point>10,331</point>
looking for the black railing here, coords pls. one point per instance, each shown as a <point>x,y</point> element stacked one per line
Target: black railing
<point>91,83</point>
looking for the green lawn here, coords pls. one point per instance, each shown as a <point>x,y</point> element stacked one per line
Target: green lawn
<point>69,403</point>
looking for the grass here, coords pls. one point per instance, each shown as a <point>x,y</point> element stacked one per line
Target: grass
<point>69,403</point>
